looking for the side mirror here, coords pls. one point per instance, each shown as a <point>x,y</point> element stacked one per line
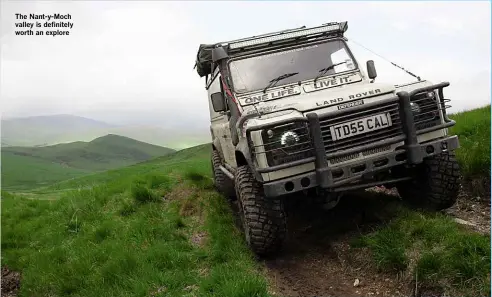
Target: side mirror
<point>218,102</point>
<point>371,69</point>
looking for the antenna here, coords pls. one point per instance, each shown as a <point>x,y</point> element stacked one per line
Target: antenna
<point>410,73</point>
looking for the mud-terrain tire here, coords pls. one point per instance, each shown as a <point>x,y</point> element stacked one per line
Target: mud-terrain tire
<point>222,182</point>
<point>435,185</point>
<point>264,219</point>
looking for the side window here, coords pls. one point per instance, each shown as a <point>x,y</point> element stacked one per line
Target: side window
<point>213,76</point>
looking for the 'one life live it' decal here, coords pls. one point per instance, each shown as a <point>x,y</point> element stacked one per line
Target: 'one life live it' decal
<point>287,91</point>
<point>326,83</point>
<point>275,94</point>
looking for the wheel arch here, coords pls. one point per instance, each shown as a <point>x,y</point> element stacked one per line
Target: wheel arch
<point>243,157</point>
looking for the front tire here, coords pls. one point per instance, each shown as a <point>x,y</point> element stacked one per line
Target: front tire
<point>264,219</point>
<point>222,182</point>
<point>436,183</point>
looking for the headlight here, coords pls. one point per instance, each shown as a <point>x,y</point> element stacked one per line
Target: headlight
<point>287,142</point>
<point>425,109</point>
<point>289,138</point>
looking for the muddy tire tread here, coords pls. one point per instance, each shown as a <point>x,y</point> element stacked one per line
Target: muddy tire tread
<point>264,219</point>
<point>441,187</point>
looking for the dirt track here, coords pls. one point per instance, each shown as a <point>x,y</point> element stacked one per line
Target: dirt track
<point>317,260</point>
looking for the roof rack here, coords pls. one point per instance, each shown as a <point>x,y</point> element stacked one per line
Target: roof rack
<point>260,36</point>
<point>292,34</point>
<point>204,55</point>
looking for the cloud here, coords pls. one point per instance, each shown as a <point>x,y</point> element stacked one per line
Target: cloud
<point>135,58</point>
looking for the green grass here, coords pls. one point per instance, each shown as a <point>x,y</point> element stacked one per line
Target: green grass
<point>24,172</point>
<point>30,167</point>
<point>444,253</point>
<point>432,247</point>
<point>129,232</point>
<point>473,130</point>
<point>131,236</point>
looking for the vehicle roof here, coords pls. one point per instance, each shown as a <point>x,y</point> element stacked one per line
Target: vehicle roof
<point>203,63</point>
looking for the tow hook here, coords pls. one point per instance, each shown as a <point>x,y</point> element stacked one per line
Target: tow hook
<point>330,199</point>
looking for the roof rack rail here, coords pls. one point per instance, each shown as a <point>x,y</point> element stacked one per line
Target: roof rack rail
<point>261,36</point>
<point>323,30</point>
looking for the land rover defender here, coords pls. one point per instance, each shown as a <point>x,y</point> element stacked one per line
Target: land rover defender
<point>293,112</point>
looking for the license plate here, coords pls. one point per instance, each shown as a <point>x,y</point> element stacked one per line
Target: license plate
<point>360,126</point>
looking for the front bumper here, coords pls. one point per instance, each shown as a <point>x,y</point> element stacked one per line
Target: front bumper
<point>337,178</point>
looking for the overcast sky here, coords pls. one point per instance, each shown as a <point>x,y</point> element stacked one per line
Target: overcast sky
<point>131,61</point>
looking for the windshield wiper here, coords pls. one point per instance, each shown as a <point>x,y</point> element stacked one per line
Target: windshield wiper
<point>325,70</point>
<point>274,81</point>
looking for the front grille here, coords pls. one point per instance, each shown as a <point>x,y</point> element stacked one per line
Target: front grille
<point>365,153</point>
<point>362,139</point>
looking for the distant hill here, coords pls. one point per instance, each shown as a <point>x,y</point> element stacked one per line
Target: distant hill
<point>45,130</point>
<point>26,167</point>
<point>55,129</point>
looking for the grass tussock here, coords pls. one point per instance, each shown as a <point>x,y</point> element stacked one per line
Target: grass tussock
<point>143,194</point>
<point>127,208</point>
<point>199,180</point>
<point>150,188</point>
<point>190,205</point>
<point>443,253</point>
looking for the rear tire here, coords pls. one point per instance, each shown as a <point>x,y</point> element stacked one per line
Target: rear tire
<point>264,219</point>
<point>222,182</point>
<point>436,183</point>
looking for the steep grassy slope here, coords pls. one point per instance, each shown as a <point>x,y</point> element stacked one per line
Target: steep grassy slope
<point>157,228</point>
<point>27,167</point>
<point>473,129</point>
<point>430,248</point>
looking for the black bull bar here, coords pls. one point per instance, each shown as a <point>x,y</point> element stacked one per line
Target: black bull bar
<point>413,151</point>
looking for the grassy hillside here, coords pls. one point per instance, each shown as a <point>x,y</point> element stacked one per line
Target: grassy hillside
<point>28,167</point>
<point>23,172</point>
<point>473,129</point>
<point>158,228</point>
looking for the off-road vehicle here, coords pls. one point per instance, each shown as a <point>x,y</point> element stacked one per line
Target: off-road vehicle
<point>293,112</point>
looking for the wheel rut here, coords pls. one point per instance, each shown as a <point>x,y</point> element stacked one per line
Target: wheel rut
<point>317,259</point>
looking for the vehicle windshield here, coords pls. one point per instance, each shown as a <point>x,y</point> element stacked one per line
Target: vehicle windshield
<point>255,73</point>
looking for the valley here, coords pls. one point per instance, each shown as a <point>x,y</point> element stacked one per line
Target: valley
<point>29,167</point>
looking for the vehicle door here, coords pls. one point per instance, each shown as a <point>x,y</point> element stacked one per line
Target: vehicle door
<point>220,120</point>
